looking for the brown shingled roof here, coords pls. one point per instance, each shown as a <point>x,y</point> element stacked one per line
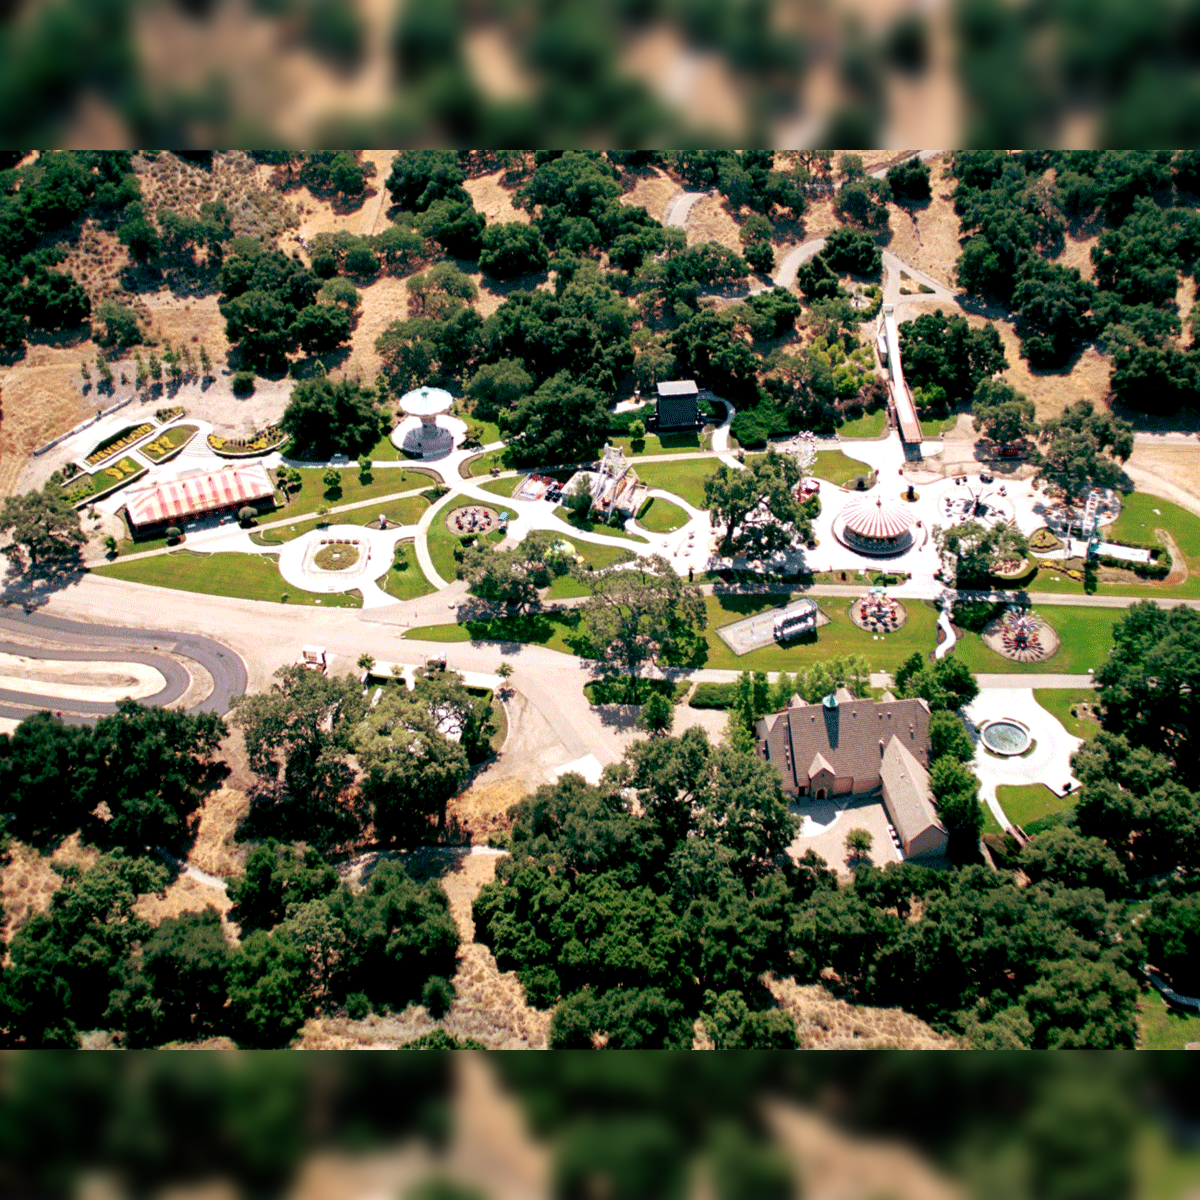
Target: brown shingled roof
<point>847,737</point>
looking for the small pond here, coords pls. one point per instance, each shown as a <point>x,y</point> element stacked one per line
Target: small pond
<point>1006,737</point>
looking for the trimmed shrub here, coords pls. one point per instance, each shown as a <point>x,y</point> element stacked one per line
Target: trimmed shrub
<point>714,695</point>
<point>243,383</point>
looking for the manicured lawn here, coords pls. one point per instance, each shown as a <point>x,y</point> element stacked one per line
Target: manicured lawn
<point>990,824</point>
<point>937,426</point>
<point>125,470</point>
<point>595,556</point>
<point>531,629</point>
<point>667,443</point>
<point>442,543</point>
<point>406,511</point>
<point>312,494</point>
<point>246,576</point>
<point>595,527</point>
<point>661,516</point>
<point>485,462</point>
<point>1027,802</point>
<point>835,467</point>
<point>1059,701</point>
<point>840,636</point>
<point>1161,1028</point>
<point>126,546</point>
<point>404,579</point>
<point>685,478</point>
<point>1086,638</point>
<point>503,487</point>
<point>869,425</point>
<point>384,451</point>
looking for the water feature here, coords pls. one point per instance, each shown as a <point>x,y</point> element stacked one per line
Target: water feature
<point>1006,737</point>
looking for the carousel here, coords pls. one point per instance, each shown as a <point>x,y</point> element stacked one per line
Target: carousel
<point>878,528</point>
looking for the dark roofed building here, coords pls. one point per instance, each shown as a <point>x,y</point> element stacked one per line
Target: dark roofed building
<point>678,405</point>
<point>851,748</point>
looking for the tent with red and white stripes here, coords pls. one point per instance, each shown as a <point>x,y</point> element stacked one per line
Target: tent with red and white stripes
<point>230,487</point>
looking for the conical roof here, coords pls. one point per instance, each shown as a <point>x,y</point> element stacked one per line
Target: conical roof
<point>877,518</point>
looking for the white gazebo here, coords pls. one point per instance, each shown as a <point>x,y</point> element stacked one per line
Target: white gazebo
<point>428,439</point>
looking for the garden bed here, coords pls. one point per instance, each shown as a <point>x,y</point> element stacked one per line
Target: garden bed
<point>262,442</point>
<point>86,489</point>
<point>119,442</point>
<point>169,443</point>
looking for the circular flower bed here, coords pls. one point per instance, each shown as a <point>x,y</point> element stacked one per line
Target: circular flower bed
<point>337,556</point>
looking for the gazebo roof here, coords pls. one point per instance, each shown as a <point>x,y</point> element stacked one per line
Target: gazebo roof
<point>878,519</point>
<point>425,401</point>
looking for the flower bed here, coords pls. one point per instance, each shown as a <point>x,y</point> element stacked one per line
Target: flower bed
<point>262,442</point>
<point>163,415</point>
<point>169,442</point>
<point>118,442</point>
<point>84,489</point>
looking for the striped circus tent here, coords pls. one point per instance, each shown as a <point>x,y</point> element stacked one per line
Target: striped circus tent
<point>230,487</point>
<point>876,519</point>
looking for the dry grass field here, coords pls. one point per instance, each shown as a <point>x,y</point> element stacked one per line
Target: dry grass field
<point>187,894</point>
<point>710,221</point>
<point>1175,464</point>
<point>27,882</point>
<point>653,189</point>
<point>1078,253</point>
<point>494,200</point>
<point>483,807</point>
<point>825,1023</point>
<point>384,301</point>
<point>929,237</point>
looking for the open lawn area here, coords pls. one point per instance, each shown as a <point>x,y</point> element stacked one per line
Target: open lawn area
<point>667,443</point>
<point>384,450</point>
<point>406,511</point>
<point>1025,803</point>
<point>841,636</point>
<point>595,556</point>
<point>835,467</point>
<point>869,425</point>
<point>585,526</point>
<point>404,579</point>
<point>1161,1028</point>
<point>245,576</point>
<point>1060,701</point>
<point>661,516</point>
<point>485,462</point>
<point>313,494</point>
<point>1086,638</point>
<point>990,824</point>
<point>685,478</point>
<point>503,487</point>
<point>934,427</point>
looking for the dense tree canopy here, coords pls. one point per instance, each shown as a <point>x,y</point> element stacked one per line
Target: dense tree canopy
<point>1002,414</point>
<point>947,352</point>
<point>980,550</point>
<point>757,506</point>
<point>43,525</point>
<point>326,417</point>
<point>1082,449</point>
<point>563,421</point>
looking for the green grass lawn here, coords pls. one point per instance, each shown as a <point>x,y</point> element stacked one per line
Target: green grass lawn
<point>936,426</point>
<point>595,556</point>
<point>990,824</point>
<point>1024,803</point>
<point>124,470</point>
<point>384,450</point>
<point>1160,1028</point>
<point>406,511</point>
<point>1086,638</point>
<point>503,487</point>
<point>137,546</point>
<point>485,462</point>
<point>835,467</point>
<point>597,527</point>
<point>840,636</point>
<point>312,494</point>
<point>246,576</point>
<point>1059,701</point>
<point>661,516</point>
<point>404,579</point>
<point>685,478</point>
<point>869,425</point>
<point>667,443</point>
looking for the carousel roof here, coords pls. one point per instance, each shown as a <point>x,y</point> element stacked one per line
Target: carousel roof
<point>425,401</point>
<point>876,519</point>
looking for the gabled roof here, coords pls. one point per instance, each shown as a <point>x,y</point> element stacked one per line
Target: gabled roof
<point>906,792</point>
<point>819,763</point>
<point>678,387</point>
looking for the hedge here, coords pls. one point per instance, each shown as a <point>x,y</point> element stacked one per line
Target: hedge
<point>714,695</point>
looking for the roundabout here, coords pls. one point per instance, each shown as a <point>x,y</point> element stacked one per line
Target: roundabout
<point>337,559</point>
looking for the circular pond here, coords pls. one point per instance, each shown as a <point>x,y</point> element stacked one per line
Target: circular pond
<point>1005,737</point>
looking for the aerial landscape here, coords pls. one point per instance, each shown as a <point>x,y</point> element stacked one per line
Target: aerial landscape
<point>560,599</point>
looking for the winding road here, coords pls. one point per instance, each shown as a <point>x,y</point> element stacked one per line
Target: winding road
<point>77,641</point>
